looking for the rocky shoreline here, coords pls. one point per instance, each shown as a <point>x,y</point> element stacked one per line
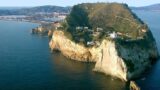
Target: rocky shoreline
<point>107,56</point>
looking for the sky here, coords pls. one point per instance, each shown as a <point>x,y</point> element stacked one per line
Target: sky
<point>20,3</point>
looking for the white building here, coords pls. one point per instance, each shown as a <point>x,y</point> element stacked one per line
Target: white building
<point>79,28</point>
<point>99,29</point>
<point>85,27</point>
<point>113,35</point>
<point>90,43</point>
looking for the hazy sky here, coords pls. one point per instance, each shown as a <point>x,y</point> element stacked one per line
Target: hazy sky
<point>71,2</point>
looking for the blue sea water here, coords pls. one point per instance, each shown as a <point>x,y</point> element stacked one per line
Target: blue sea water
<point>152,80</point>
<point>26,62</point>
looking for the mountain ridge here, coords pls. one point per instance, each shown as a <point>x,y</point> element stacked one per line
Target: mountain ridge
<point>33,10</point>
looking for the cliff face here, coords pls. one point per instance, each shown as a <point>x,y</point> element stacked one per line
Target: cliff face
<point>68,48</point>
<point>111,58</point>
<point>109,62</point>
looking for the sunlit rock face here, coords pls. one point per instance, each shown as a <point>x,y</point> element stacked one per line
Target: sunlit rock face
<point>69,49</point>
<point>110,62</point>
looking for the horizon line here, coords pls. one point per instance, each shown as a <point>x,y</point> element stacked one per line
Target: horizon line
<point>67,5</point>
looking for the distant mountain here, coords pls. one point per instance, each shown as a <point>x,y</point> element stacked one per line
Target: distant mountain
<point>154,7</point>
<point>59,9</point>
<point>34,10</point>
<point>12,8</point>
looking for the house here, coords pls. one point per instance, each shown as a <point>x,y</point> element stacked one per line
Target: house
<point>90,31</point>
<point>79,28</point>
<point>113,35</point>
<point>90,43</point>
<point>85,27</point>
<point>99,29</point>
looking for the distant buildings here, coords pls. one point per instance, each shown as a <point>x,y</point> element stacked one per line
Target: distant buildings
<point>40,17</point>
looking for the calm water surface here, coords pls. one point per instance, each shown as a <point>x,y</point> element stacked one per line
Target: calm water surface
<point>26,63</point>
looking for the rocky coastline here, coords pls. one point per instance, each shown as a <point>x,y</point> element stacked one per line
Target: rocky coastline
<point>110,58</point>
<point>124,54</point>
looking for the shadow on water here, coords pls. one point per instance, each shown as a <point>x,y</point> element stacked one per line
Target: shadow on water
<point>80,76</point>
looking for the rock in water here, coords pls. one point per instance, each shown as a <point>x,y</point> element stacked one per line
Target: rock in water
<point>40,30</point>
<point>126,56</point>
<point>133,86</point>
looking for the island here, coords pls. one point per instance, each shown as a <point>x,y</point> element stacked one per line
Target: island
<point>108,34</point>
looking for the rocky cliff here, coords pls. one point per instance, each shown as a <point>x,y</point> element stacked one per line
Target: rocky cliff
<point>69,48</point>
<point>111,58</point>
<point>126,46</point>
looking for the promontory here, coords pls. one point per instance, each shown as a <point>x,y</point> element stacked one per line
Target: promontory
<point>109,34</point>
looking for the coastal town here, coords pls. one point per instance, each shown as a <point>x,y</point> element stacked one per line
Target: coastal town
<point>38,17</point>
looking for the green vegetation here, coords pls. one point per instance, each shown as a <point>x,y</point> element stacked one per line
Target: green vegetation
<point>130,65</point>
<point>95,21</point>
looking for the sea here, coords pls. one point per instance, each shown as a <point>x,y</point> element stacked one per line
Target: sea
<point>27,63</point>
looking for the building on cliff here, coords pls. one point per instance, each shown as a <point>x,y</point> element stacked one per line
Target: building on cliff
<point>113,35</point>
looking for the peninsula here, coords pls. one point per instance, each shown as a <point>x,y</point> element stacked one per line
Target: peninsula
<point>109,34</point>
